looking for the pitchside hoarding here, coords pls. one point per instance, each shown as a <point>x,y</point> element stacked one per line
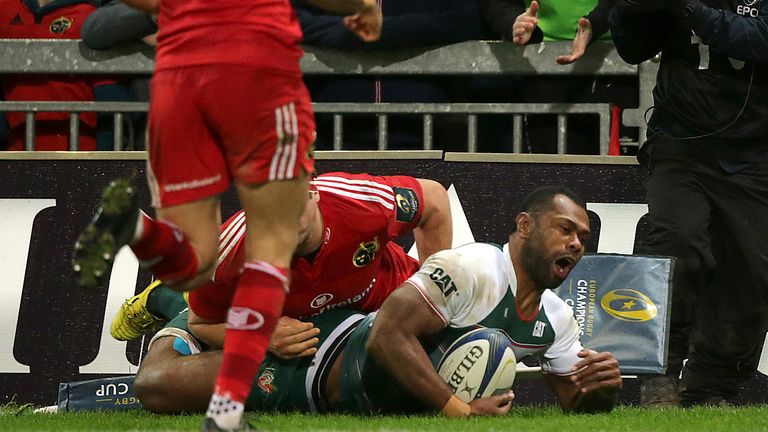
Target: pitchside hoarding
<point>53,332</point>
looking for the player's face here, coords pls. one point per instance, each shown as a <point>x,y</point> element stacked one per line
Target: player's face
<point>556,243</point>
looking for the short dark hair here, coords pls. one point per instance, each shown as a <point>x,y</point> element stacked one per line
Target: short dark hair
<point>542,198</point>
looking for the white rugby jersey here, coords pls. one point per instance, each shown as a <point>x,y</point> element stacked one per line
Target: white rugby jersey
<point>475,285</point>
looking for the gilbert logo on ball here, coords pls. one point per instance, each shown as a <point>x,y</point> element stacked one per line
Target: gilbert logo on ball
<point>628,305</point>
<point>480,363</point>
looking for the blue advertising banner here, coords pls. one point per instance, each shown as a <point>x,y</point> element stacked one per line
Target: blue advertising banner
<point>622,305</point>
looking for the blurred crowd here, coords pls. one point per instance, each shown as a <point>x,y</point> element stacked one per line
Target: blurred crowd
<point>108,24</point>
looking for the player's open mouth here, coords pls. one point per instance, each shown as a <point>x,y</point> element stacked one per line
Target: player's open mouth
<point>563,266</point>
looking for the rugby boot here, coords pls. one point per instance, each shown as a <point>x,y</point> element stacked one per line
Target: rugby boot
<point>659,391</point>
<point>134,320</point>
<point>209,425</point>
<point>112,227</point>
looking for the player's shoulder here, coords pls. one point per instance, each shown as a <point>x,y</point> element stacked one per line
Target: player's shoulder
<point>344,191</point>
<point>352,186</point>
<point>557,310</point>
<point>391,180</point>
<point>474,257</point>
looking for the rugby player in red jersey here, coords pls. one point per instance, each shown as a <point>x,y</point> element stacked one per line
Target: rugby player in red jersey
<point>347,257</point>
<point>228,105</point>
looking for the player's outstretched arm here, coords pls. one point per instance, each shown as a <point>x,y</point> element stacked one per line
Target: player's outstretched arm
<point>394,342</point>
<point>593,387</point>
<point>434,231</point>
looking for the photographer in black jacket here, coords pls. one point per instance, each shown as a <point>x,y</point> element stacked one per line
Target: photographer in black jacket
<point>707,190</point>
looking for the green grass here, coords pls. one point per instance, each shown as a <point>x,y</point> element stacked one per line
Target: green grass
<point>527,419</point>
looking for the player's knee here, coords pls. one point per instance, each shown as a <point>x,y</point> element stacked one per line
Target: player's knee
<point>154,377</point>
<point>148,388</point>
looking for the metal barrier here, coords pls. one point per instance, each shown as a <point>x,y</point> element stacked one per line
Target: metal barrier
<point>467,58</point>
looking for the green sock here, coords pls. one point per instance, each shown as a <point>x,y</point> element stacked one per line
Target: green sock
<point>165,303</point>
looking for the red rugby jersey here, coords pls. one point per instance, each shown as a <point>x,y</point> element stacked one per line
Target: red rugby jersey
<point>60,19</point>
<point>358,263</point>
<point>262,33</point>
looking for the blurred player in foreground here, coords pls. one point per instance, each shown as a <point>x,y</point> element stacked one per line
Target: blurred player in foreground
<point>228,105</point>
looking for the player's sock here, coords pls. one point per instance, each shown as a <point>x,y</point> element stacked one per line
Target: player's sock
<point>255,309</point>
<point>163,248</point>
<point>165,303</point>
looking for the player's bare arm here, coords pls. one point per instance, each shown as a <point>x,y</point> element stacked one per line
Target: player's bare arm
<point>209,331</point>
<point>292,338</point>
<point>593,388</point>
<point>150,6</point>
<point>434,232</point>
<point>403,319</point>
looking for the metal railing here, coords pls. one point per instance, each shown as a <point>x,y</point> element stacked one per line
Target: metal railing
<point>467,58</point>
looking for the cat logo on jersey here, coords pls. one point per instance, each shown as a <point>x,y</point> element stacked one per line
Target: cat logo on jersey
<point>60,25</point>
<point>265,380</point>
<point>407,204</point>
<point>443,281</point>
<point>365,253</point>
<point>628,305</point>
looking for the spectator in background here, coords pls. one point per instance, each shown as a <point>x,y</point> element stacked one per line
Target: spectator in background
<point>584,21</point>
<point>115,23</point>
<point>110,26</point>
<point>407,24</point>
<point>526,22</point>
<point>46,19</point>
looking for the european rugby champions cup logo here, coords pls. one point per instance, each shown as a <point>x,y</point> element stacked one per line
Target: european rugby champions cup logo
<point>629,305</point>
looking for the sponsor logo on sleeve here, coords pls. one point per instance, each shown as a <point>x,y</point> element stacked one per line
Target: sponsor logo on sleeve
<point>443,281</point>
<point>407,204</point>
<point>628,305</point>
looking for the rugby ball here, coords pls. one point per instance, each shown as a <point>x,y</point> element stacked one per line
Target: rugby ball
<point>478,364</point>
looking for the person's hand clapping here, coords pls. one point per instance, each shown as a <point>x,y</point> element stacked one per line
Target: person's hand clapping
<point>525,24</point>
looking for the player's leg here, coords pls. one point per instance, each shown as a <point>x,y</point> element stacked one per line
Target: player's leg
<point>679,214</point>
<point>198,222</point>
<point>144,312</point>
<point>264,123</point>
<point>177,375</point>
<point>272,214</point>
<point>186,173</point>
<point>172,382</point>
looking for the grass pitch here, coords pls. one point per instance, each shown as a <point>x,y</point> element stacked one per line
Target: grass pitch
<point>528,419</point>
